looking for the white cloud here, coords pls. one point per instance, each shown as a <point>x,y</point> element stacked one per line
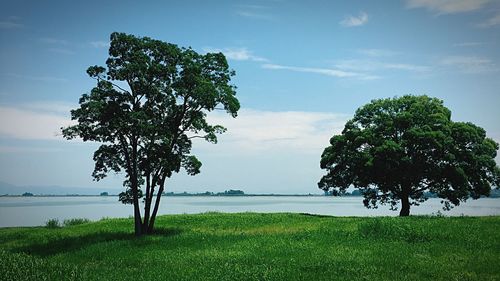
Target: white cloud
<point>10,23</point>
<point>404,66</point>
<point>377,52</point>
<point>469,64</point>
<point>26,149</point>
<point>448,6</point>
<point>61,51</point>
<point>253,7</point>
<point>99,44</point>
<point>252,131</point>
<point>376,60</point>
<point>241,54</point>
<point>35,78</point>
<point>493,21</point>
<point>360,20</point>
<point>254,15</point>
<point>254,12</point>
<point>468,44</point>
<point>371,65</point>
<point>297,131</point>
<point>324,71</point>
<point>20,123</point>
<point>57,107</point>
<point>55,41</point>
<point>57,45</point>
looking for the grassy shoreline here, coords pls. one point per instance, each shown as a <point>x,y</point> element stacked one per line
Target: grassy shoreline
<point>254,246</point>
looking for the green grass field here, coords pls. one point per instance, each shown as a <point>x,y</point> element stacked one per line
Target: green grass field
<point>251,246</point>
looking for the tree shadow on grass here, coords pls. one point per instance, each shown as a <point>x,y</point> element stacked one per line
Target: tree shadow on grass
<point>75,243</point>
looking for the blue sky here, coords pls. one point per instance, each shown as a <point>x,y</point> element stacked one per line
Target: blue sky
<point>302,69</point>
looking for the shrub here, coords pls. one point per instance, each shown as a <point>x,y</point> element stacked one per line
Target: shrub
<point>52,223</point>
<point>76,221</point>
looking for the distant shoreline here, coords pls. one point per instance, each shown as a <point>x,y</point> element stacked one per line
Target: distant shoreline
<point>176,195</point>
<point>493,195</point>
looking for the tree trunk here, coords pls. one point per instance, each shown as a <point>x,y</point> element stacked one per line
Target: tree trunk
<point>137,210</point>
<point>157,205</point>
<point>137,219</point>
<point>147,202</point>
<point>405,206</point>
<point>155,211</point>
<point>135,191</point>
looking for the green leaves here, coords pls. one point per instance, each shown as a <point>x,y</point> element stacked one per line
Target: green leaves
<point>401,147</point>
<point>192,165</point>
<point>107,159</point>
<point>127,197</point>
<point>96,71</point>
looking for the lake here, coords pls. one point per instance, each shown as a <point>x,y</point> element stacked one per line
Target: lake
<point>34,211</point>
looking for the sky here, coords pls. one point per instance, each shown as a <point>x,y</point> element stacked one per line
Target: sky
<point>302,69</point>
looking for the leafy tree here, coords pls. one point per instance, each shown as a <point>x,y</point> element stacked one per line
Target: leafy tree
<point>148,104</point>
<point>397,149</point>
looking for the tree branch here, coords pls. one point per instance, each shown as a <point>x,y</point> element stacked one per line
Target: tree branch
<point>98,78</point>
<point>200,137</point>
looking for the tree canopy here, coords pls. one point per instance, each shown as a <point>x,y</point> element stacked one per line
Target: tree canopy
<point>397,149</point>
<point>149,102</point>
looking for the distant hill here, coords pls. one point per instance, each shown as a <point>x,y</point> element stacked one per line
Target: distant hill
<point>10,189</point>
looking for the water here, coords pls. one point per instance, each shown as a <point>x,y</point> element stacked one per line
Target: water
<point>33,211</point>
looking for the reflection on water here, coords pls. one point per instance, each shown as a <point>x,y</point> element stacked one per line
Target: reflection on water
<point>32,211</point>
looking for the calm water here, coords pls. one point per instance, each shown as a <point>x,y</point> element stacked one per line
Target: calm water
<point>32,211</point>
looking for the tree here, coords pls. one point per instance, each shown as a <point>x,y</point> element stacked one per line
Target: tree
<point>397,149</point>
<point>232,192</point>
<point>149,102</point>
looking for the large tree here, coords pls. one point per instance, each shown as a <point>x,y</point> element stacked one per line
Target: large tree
<point>398,149</point>
<point>149,102</point>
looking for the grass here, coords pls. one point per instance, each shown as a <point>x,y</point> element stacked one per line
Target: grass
<point>250,246</point>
